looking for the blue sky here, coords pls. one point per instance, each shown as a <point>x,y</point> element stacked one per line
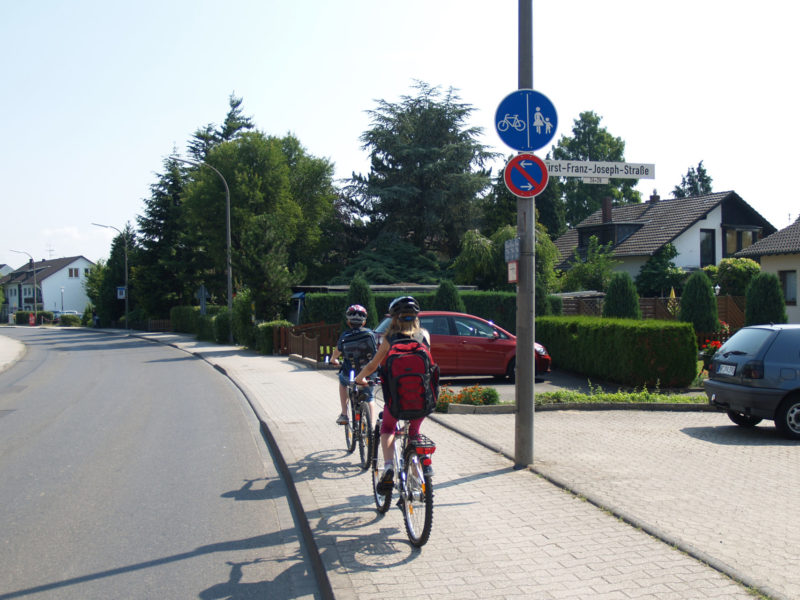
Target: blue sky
<point>95,94</point>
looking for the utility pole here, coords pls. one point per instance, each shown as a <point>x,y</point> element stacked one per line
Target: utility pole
<point>526,323</point>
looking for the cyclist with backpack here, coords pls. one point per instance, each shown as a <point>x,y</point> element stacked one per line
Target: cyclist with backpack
<point>404,327</point>
<point>358,345</point>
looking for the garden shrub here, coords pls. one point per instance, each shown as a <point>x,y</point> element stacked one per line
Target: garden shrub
<point>448,298</point>
<point>205,328</point>
<point>69,321</point>
<point>626,351</point>
<point>264,336</point>
<point>360,293</point>
<point>222,327</point>
<point>621,300</point>
<point>698,303</point>
<point>764,301</point>
<point>183,319</point>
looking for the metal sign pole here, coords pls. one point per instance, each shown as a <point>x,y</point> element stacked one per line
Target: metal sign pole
<point>526,221</point>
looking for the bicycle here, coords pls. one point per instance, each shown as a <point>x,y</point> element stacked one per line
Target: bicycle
<point>357,429</point>
<point>413,480</point>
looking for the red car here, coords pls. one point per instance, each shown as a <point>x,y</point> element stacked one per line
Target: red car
<point>467,345</point>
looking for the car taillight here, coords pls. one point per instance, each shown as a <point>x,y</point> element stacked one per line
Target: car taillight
<point>753,370</point>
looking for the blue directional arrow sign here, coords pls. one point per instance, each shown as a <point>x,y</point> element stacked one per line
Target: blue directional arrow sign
<point>526,120</point>
<point>526,175</point>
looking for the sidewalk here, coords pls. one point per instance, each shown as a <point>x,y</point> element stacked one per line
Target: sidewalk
<point>691,480</point>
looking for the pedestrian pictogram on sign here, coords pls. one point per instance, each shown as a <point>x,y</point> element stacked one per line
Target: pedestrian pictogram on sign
<point>526,175</point>
<point>526,120</point>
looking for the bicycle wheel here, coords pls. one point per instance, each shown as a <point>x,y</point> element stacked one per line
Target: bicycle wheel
<point>364,435</point>
<point>382,501</point>
<point>417,502</point>
<point>349,437</point>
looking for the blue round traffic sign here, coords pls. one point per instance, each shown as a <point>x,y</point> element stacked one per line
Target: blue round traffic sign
<point>526,120</point>
<point>526,175</point>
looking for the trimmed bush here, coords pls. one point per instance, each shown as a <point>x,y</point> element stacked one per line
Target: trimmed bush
<point>629,352</point>
<point>222,327</point>
<point>360,293</point>
<point>764,301</point>
<point>243,319</point>
<point>621,301</point>
<point>69,321</point>
<point>448,298</point>
<point>698,303</point>
<point>264,336</point>
<point>183,319</point>
<point>205,328</point>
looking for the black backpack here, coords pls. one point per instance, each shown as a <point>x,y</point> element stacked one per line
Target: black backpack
<point>359,347</point>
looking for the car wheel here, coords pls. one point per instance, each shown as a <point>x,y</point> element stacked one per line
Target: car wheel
<point>787,417</point>
<point>743,420</point>
<point>511,371</point>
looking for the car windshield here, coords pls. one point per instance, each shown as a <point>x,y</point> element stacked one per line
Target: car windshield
<point>746,341</point>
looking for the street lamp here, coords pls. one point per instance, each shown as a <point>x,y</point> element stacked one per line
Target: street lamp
<point>125,239</point>
<point>716,290</point>
<point>228,232</point>
<point>33,262</point>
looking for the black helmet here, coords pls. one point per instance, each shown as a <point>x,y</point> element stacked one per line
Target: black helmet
<point>356,314</point>
<point>403,305</point>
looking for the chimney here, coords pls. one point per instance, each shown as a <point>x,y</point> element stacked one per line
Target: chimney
<point>655,197</point>
<point>607,210</point>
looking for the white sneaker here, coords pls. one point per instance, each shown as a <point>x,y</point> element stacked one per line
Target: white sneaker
<point>342,420</point>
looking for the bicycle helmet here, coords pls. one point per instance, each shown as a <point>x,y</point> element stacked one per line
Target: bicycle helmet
<point>404,305</point>
<point>356,314</point>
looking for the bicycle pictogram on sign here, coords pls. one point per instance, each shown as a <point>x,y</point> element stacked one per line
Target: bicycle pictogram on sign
<point>526,120</point>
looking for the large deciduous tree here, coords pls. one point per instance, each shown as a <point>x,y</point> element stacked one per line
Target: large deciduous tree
<point>265,219</point>
<point>590,142</point>
<point>427,169</point>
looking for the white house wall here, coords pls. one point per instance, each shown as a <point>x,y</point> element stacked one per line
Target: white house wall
<point>75,297</point>
<point>688,243</point>
<point>785,262</point>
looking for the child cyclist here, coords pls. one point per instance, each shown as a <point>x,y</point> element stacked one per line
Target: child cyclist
<point>405,324</point>
<point>356,316</point>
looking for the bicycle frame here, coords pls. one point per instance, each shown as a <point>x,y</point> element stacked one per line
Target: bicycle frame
<point>413,482</point>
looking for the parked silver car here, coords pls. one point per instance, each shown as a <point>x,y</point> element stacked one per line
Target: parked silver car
<point>755,375</point>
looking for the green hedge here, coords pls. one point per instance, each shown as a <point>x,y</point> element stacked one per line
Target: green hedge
<point>499,307</point>
<point>629,352</point>
<point>69,321</point>
<point>264,336</point>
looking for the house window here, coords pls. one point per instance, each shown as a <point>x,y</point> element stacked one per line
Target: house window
<point>789,285</point>
<point>739,239</point>
<point>707,247</point>
<point>74,273</point>
<point>86,272</point>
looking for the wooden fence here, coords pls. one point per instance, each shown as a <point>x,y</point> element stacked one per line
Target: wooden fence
<point>314,340</point>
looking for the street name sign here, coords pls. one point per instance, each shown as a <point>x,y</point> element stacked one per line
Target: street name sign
<point>526,120</point>
<point>526,175</point>
<point>612,170</point>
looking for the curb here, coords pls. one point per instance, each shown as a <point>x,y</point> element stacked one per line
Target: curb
<point>501,409</point>
<point>293,496</point>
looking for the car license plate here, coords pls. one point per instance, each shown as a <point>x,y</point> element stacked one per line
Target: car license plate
<point>726,369</point>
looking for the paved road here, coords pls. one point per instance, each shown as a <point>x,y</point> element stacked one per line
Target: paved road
<point>718,492</point>
<point>130,469</point>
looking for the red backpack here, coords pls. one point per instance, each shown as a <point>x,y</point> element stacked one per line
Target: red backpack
<point>410,379</point>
